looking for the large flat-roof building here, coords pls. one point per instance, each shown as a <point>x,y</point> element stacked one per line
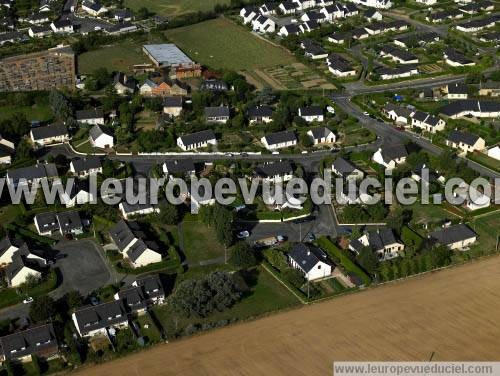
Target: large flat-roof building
<point>167,55</point>
<point>46,70</point>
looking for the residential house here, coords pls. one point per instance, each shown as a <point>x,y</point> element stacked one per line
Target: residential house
<point>382,242</point>
<point>373,15</point>
<point>260,114</point>
<point>183,168</point>
<point>93,8</point>
<point>494,153</point>
<point>313,15</point>
<point>68,222</point>
<point>287,7</point>
<point>219,114</point>
<point>279,140</point>
<point>379,4</point>
<point>6,151</point>
<point>197,140</point>
<point>311,113</point>
<point>24,266</point>
<point>359,33</point>
<point>85,166</point>
<point>457,59</point>
<point>131,210</point>
<point>217,86</point>
<point>91,117</point>
<point>398,114</point>
<point>80,194</point>
<point>50,134</point>
<point>8,247</point>
<point>346,169</point>
<point>489,88</point>
<point>99,138</point>
<point>465,142</point>
<point>304,4</point>
<point>333,12</point>
<point>469,107</point>
<point>339,66</point>
<point>96,320</point>
<point>427,2</point>
<point>275,172</point>
<point>390,156</point>
<point>398,55</point>
<point>172,105</point>
<point>62,26</point>
<point>152,289</point>
<point>249,13</point>
<point>309,26</point>
<point>427,122</point>
<point>130,241</point>
<point>310,260</point>
<point>122,15</point>
<point>388,73</point>
<point>424,173</point>
<point>290,29</point>
<point>133,300</point>
<point>313,50</point>
<point>37,340</point>
<point>477,25</point>
<point>268,8</point>
<point>456,91</point>
<point>417,40</point>
<point>471,197</point>
<point>31,175</point>
<point>444,15</point>
<point>321,135</point>
<point>39,31</point>
<point>124,84</point>
<point>459,237</point>
<point>263,24</point>
<point>339,37</point>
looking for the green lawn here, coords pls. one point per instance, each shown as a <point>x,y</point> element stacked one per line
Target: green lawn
<point>266,294</point>
<point>35,112</point>
<point>200,242</point>
<point>429,213</point>
<point>485,160</point>
<point>151,333</point>
<point>221,43</point>
<point>487,229</point>
<point>174,7</point>
<point>119,57</point>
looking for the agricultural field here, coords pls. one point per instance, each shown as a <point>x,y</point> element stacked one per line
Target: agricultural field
<point>354,326</point>
<point>236,48</point>
<point>171,8</point>
<point>118,57</point>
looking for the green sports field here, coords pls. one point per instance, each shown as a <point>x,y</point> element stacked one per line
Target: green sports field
<point>174,7</point>
<point>221,43</point>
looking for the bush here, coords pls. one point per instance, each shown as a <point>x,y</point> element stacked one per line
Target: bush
<point>294,277</point>
<point>243,256</point>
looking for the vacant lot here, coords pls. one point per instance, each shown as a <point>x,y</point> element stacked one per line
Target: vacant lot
<point>200,243</point>
<point>119,57</point>
<point>174,7</point>
<point>222,44</point>
<point>451,314</point>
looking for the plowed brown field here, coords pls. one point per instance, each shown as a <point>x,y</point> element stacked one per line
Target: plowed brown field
<point>454,314</point>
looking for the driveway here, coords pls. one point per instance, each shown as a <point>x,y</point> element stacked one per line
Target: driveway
<point>83,268</point>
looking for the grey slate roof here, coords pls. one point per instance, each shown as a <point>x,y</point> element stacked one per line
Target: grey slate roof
<point>464,137</point>
<point>7,242</point>
<point>343,166</point>
<point>456,56</point>
<point>457,89</point>
<point>260,111</point>
<point>180,166</point>
<point>311,111</point>
<point>47,221</point>
<point>194,138</point>
<point>100,316</point>
<point>86,163</point>
<point>93,113</point>
<point>122,233</point>
<point>38,339</point>
<point>452,234</point>
<point>138,248</point>
<point>133,298</point>
<point>151,286</point>
<point>398,52</point>
<point>469,105</point>
<point>96,131</point>
<point>274,169</point>
<point>339,63</point>
<point>48,131</point>
<point>392,152</point>
<point>377,240</point>
<point>219,111</point>
<point>39,171</point>
<point>19,261</point>
<point>320,132</point>
<point>399,110</point>
<point>279,137</point>
<point>171,102</point>
<point>307,256</point>
<point>69,220</point>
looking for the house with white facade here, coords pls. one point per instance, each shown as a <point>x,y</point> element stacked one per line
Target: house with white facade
<point>339,66</point>
<point>427,122</point>
<point>95,320</point>
<point>465,142</point>
<point>456,91</point>
<point>7,149</point>
<point>50,134</point>
<point>311,113</point>
<point>311,261</point>
<point>263,24</point>
<point>280,171</point>
<point>290,29</point>
<point>260,114</point>
<point>346,169</point>
<point>379,4</point>
<point>131,210</point>
<point>218,114</point>
<point>279,140</point>
<point>471,107</point>
<point>249,13</point>
<point>93,8</point>
<point>382,242</point>
<point>471,197</point>
<point>92,116</point>
<point>99,138</point>
<point>459,237</point>
<point>197,140</point>
<point>390,156</point>
<point>398,114</point>
<point>321,135</point>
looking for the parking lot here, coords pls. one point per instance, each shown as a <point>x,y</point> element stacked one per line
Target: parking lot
<point>82,268</point>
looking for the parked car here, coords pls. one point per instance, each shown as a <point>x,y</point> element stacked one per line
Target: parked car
<point>243,234</point>
<point>28,300</point>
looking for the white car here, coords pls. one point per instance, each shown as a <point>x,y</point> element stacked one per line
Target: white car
<point>243,234</point>
<point>28,300</point>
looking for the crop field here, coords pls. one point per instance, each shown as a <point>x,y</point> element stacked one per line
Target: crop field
<point>446,315</point>
<point>174,7</point>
